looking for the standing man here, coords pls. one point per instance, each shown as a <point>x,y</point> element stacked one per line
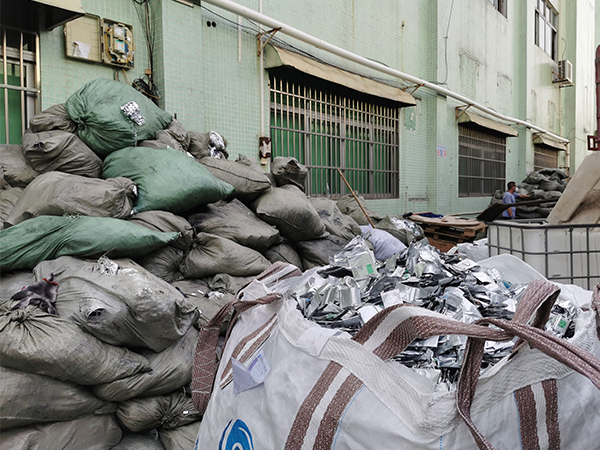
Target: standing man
<point>509,198</point>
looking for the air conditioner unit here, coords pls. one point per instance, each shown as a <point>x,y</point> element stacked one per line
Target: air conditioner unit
<point>564,72</point>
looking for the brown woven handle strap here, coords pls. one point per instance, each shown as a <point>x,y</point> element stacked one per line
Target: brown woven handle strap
<point>397,327</point>
<point>205,359</point>
<point>572,356</point>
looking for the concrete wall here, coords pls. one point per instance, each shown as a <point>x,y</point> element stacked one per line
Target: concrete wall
<point>212,79</point>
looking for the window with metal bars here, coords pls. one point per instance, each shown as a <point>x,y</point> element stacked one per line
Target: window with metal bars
<point>327,127</point>
<point>544,158</point>
<point>18,82</point>
<point>481,162</point>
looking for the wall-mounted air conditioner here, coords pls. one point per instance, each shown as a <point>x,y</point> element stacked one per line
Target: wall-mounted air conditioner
<point>563,74</point>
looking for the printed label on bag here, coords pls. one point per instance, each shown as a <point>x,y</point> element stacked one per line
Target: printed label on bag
<point>236,436</point>
<point>245,378</point>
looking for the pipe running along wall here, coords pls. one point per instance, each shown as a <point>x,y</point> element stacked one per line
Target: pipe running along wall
<point>319,43</point>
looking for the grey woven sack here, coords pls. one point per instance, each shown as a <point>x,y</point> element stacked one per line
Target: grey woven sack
<point>249,182</point>
<point>335,221</point>
<point>92,432</point>
<point>291,212</point>
<point>316,253</point>
<point>286,253</point>
<point>237,222</point>
<point>165,221</point>
<point>17,171</point>
<point>119,301</point>
<point>163,263</point>
<point>53,118</point>
<point>27,398</point>
<point>180,437</point>
<point>171,369</point>
<point>210,255</point>
<point>165,411</point>
<point>8,200</point>
<point>36,342</point>
<point>57,194</point>
<point>287,170</point>
<point>62,151</point>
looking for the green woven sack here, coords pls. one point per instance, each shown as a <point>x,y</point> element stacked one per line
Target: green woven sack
<point>103,125</point>
<point>167,179</point>
<point>48,237</point>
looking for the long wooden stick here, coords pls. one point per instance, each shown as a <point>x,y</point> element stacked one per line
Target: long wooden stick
<point>356,198</point>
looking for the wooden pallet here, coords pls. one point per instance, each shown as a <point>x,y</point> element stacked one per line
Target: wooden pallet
<point>450,231</point>
<point>441,245</point>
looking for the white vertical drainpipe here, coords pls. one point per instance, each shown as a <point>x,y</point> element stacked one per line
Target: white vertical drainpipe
<point>262,83</point>
<point>319,43</point>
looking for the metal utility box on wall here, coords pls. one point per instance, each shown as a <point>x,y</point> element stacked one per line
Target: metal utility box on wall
<point>91,38</point>
<point>82,38</point>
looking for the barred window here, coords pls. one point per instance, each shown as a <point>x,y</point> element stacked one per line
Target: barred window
<point>326,126</point>
<point>544,158</point>
<point>481,161</point>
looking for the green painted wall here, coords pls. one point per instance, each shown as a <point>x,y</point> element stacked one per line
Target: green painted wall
<point>212,79</point>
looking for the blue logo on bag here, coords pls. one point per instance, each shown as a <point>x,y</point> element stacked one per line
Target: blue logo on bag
<point>236,437</point>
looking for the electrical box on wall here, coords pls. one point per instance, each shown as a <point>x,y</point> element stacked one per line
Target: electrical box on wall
<point>82,38</point>
<point>118,47</point>
<point>93,39</point>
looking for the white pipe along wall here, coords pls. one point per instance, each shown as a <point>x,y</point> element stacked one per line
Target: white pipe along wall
<point>319,43</point>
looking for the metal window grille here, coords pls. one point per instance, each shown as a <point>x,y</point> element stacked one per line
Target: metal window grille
<point>19,82</point>
<point>546,19</point>
<point>544,158</point>
<point>326,127</point>
<point>482,162</point>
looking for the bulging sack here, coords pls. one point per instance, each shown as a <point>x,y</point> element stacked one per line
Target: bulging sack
<point>164,263</point>
<point>119,302</point>
<point>212,254</point>
<point>36,342</point>
<point>317,252</point>
<point>93,432</point>
<point>17,171</point>
<point>8,200</point>
<point>249,181</point>
<point>180,437</point>
<point>336,223</point>
<point>174,136</point>
<point>139,441</point>
<point>60,151</point>
<point>27,398</point>
<point>287,170</point>
<point>348,205</point>
<point>164,411</point>
<point>47,237</point>
<point>111,115</point>
<point>291,212</point>
<point>286,253</point>
<point>53,118</point>
<point>171,370</point>
<point>57,194</point>
<point>208,144</point>
<point>404,230</point>
<point>183,183</point>
<point>237,222</point>
<point>166,222</point>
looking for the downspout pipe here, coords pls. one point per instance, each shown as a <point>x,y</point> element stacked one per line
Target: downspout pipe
<point>319,43</point>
